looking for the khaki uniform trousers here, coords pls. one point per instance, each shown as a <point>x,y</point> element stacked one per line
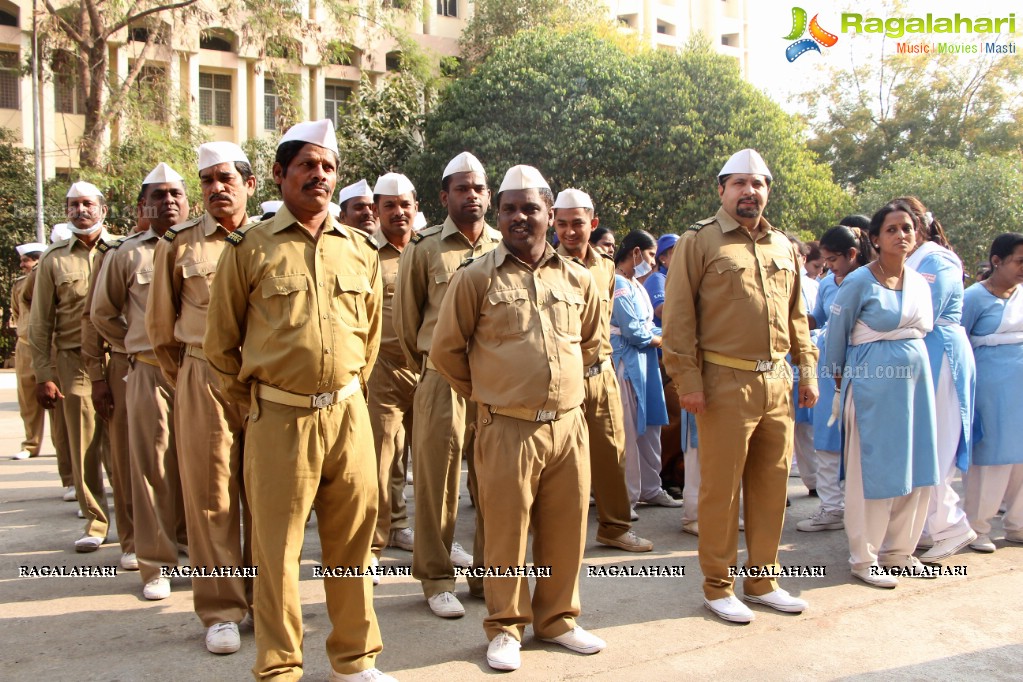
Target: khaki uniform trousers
<point>31,411</point>
<point>208,433</point>
<point>297,459</point>
<point>120,459</point>
<point>533,476</point>
<point>156,484</point>
<point>606,430</point>
<point>443,430</point>
<point>87,440</point>
<point>745,438</point>
<point>391,389</point>
<point>59,438</point>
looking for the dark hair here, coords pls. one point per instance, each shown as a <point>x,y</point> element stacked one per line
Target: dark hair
<point>376,199</point>
<point>813,250</point>
<point>144,190</point>
<point>935,232</point>
<point>894,206</point>
<point>641,238</point>
<point>1002,247</point>
<point>840,239</point>
<point>722,179</point>
<point>599,233</point>
<point>545,193</point>
<point>286,153</point>
<point>445,184</point>
<point>244,170</point>
<point>856,220</point>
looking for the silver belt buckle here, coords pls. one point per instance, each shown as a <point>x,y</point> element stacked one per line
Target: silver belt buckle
<point>323,400</point>
<point>764,365</point>
<point>593,370</point>
<point>546,416</point>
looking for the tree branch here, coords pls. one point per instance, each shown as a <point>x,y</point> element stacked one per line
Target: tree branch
<point>65,25</point>
<point>131,18</point>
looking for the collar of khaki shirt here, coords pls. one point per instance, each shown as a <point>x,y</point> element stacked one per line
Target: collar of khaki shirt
<point>728,223</point>
<point>489,234</point>
<point>502,253</point>
<point>284,219</point>
<point>103,236</point>
<point>589,261</point>
<point>380,241</point>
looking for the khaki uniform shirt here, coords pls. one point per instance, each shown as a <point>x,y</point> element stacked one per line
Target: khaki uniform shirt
<point>390,348</point>
<point>12,322</point>
<point>94,346</point>
<point>602,268</point>
<point>294,313</point>
<point>119,299</point>
<point>424,270</point>
<point>24,303</point>
<point>510,336</point>
<point>58,302</point>
<point>731,295</point>
<point>184,262</point>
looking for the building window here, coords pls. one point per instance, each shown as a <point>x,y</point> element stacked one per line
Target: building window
<point>10,81</point>
<point>392,61</point>
<point>271,103</point>
<point>730,39</point>
<point>8,19</point>
<point>335,101</point>
<point>209,41</point>
<point>67,93</point>
<point>215,99</point>
<point>447,8</point>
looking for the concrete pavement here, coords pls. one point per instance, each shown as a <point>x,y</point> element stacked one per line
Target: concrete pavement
<point>95,628</point>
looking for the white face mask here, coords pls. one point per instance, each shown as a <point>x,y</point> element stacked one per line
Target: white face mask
<point>92,230</point>
<point>643,269</point>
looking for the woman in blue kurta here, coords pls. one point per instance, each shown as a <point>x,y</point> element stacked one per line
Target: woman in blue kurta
<point>875,349</point>
<point>844,249</point>
<point>634,342</point>
<point>993,318</point>
<point>955,382</point>
<point>804,459</point>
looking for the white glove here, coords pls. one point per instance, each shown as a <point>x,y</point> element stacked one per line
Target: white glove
<point>836,409</point>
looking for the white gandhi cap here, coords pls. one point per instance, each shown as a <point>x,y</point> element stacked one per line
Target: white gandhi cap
<point>162,173</point>
<point>464,163</point>
<point>271,206</point>
<point>523,177</point>
<point>60,231</point>
<point>31,247</point>
<point>334,209</point>
<point>213,153</point>
<point>83,189</point>
<point>573,198</point>
<point>393,184</point>
<point>746,161</point>
<point>320,133</point>
<point>356,189</point>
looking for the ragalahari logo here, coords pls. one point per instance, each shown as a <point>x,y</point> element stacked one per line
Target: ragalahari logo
<point>818,36</point>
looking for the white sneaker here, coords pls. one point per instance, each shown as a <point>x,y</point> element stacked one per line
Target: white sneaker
<point>129,562</point>
<point>402,538</point>
<point>823,520</point>
<point>368,675</point>
<point>69,494</point>
<point>872,575</point>
<point>779,600</point>
<point>729,608</point>
<point>446,605</point>
<point>579,641</point>
<point>662,499</point>
<point>80,514</point>
<point>223,638</point>
<point>459,557</point>
<point>375,563</point>
<point>691,527</point>
<point>943,549</point>
<point>983,544</point>
<point>157,589</point>
<point>87,544</point>
<point>21,454</point>
<point>503,652</point>
<point>633,515</point>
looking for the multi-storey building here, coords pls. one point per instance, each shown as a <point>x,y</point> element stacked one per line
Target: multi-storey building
<point>217,74</point>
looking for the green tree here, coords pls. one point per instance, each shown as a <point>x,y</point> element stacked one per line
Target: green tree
<point>975,199</point>
<point>645,132</point>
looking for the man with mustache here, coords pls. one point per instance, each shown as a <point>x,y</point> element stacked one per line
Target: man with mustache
<point>207,423</point>
<point>118,311</point>
<point>357,209</point>
<point>732,311</point>
<point>62,282</point>
<point>392,384</point>
<point>442,432</point>
<point>294,329</point>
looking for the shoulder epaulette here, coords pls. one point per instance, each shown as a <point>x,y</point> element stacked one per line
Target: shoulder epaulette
<point>107,245</point>
<point>416,238</point>
<point>173,230</point>
<point>607,256</point>
<point>235,237</point>
<point>427,232</point>
<point>701,224</point>
<point>467,262</point>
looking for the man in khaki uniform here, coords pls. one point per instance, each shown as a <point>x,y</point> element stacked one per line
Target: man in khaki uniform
<point>118,311</point>
<point>392,384</point>
<point>207,424</point>
<point>357,207</point>
<point>574,220</point>
<point>515,333</point>
<point>442,429</point>
<point>107,369</point>
<point>62,281</point>
<point>294,329</point>
<point>732,311</point>
<point>31,412</point>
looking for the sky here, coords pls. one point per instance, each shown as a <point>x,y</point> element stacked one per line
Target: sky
<point>771,21</point>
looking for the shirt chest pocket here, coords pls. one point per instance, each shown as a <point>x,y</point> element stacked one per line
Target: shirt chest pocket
<point>389,282</point>
<point>728,275</point>
<point>350,300</point>
<point>287,301</point>
<point>144,277</point>
<point>567,309</point>
<point>511,310</point>
<point>71,285</point>
<point>197,276</point>
<point>781,274</point>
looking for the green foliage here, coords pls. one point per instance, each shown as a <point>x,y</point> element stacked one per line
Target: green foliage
<point>644,132</point>
<point>261,153</point>
<point>975,199</point>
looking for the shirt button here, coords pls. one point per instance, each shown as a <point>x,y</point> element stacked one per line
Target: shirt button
<point>326,351</point>
<point>325,317</point>
<point>319,284</point>
<point>551,358</point>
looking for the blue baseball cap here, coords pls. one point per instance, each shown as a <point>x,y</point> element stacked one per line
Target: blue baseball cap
<point>665,242</point>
